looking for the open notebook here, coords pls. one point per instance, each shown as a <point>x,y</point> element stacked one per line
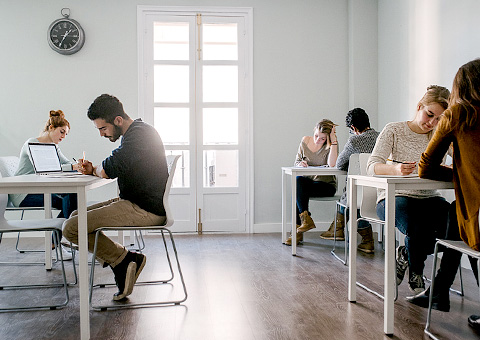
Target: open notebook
<point>46,161</point>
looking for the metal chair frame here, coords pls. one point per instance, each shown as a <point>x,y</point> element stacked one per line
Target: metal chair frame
<point>171,161</point>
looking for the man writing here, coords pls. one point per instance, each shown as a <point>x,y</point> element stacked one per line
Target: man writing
<point>140,167</point>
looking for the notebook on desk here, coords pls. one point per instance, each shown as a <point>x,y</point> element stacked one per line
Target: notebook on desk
<point>46,161</point>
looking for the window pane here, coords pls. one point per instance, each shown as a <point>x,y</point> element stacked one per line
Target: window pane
<point>170,40</point>
<point>181,179</point>
<point>220,126</point>
<point>220,42</point>
<point>172,124</point>
<point>220,168</point>
<point>220,83</point>
<point>171,84</point>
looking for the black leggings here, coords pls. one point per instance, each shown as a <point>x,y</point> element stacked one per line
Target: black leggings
<point>307,188</point>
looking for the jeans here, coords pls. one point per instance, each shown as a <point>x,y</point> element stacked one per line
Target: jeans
<point>362,224</point>
<point>66,203</point>
<point>307,188</point>
<point>113,213</point>
<point>451,258</point>
<point>421,220</point>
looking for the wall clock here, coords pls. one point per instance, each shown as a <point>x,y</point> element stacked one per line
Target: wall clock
<point>65,35</point>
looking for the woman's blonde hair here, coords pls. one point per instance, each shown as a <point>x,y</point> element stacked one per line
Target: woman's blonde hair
<point>325,126</point>
<point>466,94</point>
<point>435,95</point>
<point>57,119</point>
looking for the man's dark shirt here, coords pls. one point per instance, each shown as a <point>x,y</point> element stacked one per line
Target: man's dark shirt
<point>140,166</point>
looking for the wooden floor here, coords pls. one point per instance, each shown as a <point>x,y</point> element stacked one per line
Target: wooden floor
<point>240,287</point>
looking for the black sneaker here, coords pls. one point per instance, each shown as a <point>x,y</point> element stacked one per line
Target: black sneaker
<point>402,263</point>
<point>124,278</point>
<point>416,283</point>
<point>126,274</point>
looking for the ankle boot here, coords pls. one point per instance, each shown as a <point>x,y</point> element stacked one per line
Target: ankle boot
<point>367,245</point>
<point>339,234</point>
<point>307,222</point>
<point>288,242</point>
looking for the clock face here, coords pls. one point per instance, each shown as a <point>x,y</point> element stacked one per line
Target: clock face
<point>65,36</point>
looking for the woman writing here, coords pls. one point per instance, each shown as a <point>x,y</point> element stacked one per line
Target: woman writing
<point>459,128</point>
<point>421,215</point>
<point>319,149</point>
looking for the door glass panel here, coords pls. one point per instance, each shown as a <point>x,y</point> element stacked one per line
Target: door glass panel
<point>220,168</point>
<point>171,84</point>
<point>220,84</point>
<point>172,124</point>
<point>220,126</point>
<point>220,42</point>
<point>181,179</point>
<point>170,40</point>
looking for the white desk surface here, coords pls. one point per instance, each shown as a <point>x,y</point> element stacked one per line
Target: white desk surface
<point>390,184</point>
<point>295,171</point>
<point>79,185</point>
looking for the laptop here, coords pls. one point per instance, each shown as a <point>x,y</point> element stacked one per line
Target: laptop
<point>46,161</point>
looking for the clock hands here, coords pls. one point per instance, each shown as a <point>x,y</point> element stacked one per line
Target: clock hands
<point>64,36</point>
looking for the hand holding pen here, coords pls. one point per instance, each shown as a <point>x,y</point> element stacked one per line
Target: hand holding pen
<point>303,163</point>
<point>403,168</point>
<point>86,166</point>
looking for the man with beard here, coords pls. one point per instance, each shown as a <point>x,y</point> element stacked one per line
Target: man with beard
<point>140,167</point>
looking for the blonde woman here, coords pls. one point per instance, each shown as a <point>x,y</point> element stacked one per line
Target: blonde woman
<point>319,149</point>
<point>419,214</point>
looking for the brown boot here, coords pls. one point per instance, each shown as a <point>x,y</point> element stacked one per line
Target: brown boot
<point>328,235</point>
<point>288,242</point>
<point>307,222</point>
<point>367,245</point>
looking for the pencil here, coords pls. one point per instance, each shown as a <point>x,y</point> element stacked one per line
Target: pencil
<point>394,161</point>
<point>84,156</point>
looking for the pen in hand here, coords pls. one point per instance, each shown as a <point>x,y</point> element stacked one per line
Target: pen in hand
<point>395,161</point>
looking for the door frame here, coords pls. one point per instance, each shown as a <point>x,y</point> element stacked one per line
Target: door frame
<point>247,13</point>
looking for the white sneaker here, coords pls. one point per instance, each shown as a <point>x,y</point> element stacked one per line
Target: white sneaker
<point>67,255</point>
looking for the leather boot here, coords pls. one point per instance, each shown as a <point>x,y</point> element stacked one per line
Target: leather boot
<point>307,222</point>
<point>339,234</point>
<point>288,242</point>
<point>367,245</point>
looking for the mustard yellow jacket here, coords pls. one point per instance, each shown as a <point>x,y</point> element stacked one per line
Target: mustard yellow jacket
<point>465,173</point>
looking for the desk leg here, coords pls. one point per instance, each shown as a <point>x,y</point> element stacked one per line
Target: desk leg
<point>83,265</point>
<point>294,213</point>
<point>390,264</point>
<point>47,205</point>
<point>352,256</point>
<point>284,207</point>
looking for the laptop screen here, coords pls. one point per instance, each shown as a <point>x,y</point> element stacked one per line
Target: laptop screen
<point>44,157</point>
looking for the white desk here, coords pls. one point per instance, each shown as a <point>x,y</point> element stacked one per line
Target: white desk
<point>47,185</point>
<point>390,184</point>
<point>294,172</point>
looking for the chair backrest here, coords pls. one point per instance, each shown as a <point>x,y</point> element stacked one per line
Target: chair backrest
<point>8,165</point>
<point>172,164</point>
<point>368,203</point>
<point>354,169</point>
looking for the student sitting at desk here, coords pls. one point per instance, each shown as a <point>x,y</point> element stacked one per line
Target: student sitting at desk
<point>421,215</point>
<point>460,128</point>
<point>56,129</point>
<point>140,166</point>
<point>362,140</point>
<point>321,149</point>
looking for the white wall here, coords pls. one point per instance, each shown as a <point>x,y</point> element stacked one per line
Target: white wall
<point>422,42</point>
<point>301,67</point>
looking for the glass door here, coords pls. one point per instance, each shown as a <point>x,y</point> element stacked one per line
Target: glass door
<point>194,96</point>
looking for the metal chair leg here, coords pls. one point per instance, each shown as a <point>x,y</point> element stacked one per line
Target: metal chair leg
<point>164,281</point>
<point>430,298</point>
<point>344,261</point>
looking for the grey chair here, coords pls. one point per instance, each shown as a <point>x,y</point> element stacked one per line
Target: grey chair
<point>459,246</point>
<point>14,226</point>
<point>8,167</point>
<point>353,169</point>
<point>172,162</point>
